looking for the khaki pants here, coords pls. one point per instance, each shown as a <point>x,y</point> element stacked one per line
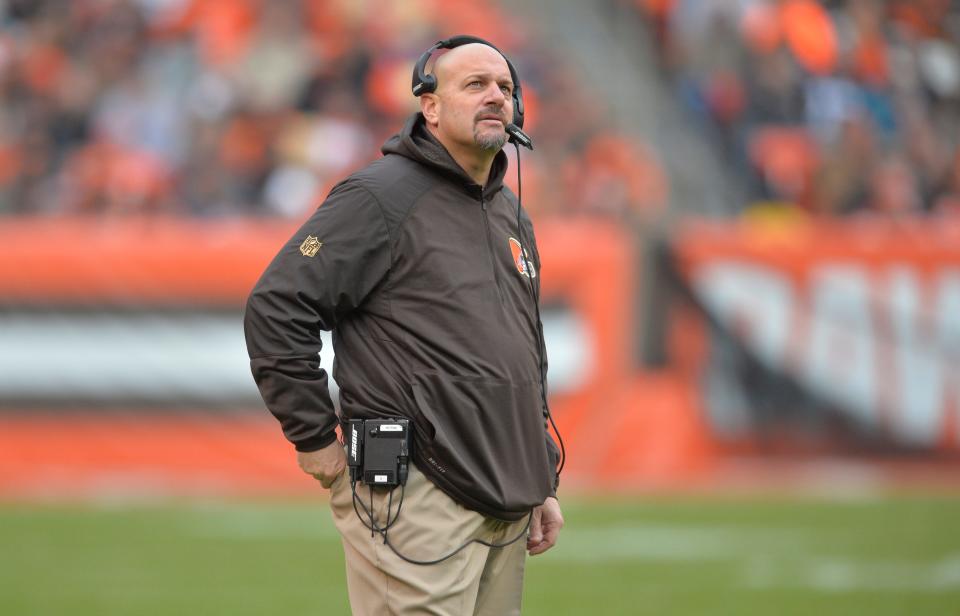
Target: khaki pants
<point>478,580</point>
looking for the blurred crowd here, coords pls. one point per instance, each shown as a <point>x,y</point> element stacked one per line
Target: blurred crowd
<point>257,107</point>
<point>835,107</point>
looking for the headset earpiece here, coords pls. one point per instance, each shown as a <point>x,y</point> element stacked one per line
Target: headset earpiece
<point>517,105</point>
<point>422,82</point>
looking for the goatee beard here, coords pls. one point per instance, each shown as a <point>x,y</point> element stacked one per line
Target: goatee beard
<point>487,141</point>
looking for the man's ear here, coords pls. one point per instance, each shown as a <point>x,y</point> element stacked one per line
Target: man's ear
<point>430,108</point>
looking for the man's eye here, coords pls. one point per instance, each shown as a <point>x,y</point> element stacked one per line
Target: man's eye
<point>505,90</point>
<point>474,84</point>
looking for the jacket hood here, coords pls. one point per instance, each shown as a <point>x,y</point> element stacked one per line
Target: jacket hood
<point>417,143</point>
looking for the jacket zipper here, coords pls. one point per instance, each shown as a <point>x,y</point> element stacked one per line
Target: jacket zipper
<point>493,263</point>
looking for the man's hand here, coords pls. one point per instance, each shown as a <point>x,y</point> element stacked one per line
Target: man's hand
<point>324,464</point>
<point>544,526</point>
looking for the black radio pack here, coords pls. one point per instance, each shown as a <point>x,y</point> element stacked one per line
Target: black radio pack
<point>378,454</point>
<point>378,450</point>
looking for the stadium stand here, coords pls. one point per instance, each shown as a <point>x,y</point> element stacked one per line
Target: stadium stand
<point>247,107</point>
<point>838,107</point>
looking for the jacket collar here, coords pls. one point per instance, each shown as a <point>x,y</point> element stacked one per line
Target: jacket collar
<point>416,142</point>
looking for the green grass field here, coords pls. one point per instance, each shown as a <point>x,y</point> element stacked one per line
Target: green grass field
<point>643,556</point>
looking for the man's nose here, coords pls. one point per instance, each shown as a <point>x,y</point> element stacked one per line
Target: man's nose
<point>495,95</point>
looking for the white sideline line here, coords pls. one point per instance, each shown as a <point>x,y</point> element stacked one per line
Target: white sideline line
<point>260,523</point>
<point>666,543</point>
<point>766,558</point>
<point>837,575</point>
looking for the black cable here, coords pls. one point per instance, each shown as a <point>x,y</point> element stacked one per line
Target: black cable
<point>413,561</point>
<point>372,523</point>
<point>375,528</point>
<point>535,295</point>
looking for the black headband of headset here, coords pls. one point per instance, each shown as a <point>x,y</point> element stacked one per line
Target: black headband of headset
<point>423,83</point>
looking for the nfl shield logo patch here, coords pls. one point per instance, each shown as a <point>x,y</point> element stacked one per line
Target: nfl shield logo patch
<point>310,246</point>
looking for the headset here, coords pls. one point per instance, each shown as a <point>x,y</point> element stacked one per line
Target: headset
<point>424,83</point>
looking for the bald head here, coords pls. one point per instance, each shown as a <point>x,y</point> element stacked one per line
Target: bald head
<point>468,57</point>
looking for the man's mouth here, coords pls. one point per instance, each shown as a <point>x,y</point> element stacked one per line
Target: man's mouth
<point>490,117</point>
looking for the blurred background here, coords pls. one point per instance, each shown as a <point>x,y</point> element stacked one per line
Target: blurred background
<point>749,215</point>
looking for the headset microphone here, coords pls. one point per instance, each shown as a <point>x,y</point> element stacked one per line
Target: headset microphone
<point>518,136</point>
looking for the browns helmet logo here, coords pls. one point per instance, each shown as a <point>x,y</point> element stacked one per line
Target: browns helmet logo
<point>521,258</point>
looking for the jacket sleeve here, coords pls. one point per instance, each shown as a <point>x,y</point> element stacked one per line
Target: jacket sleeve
<point>303,292</point>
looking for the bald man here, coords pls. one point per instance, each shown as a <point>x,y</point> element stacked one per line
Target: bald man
<point>417,266</point>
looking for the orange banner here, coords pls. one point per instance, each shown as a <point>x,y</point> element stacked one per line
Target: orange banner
<point>619,427</point>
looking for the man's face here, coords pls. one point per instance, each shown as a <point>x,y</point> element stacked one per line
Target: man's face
<point>474,97</point>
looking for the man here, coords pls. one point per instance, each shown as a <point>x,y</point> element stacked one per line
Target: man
<point>411,263</point>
